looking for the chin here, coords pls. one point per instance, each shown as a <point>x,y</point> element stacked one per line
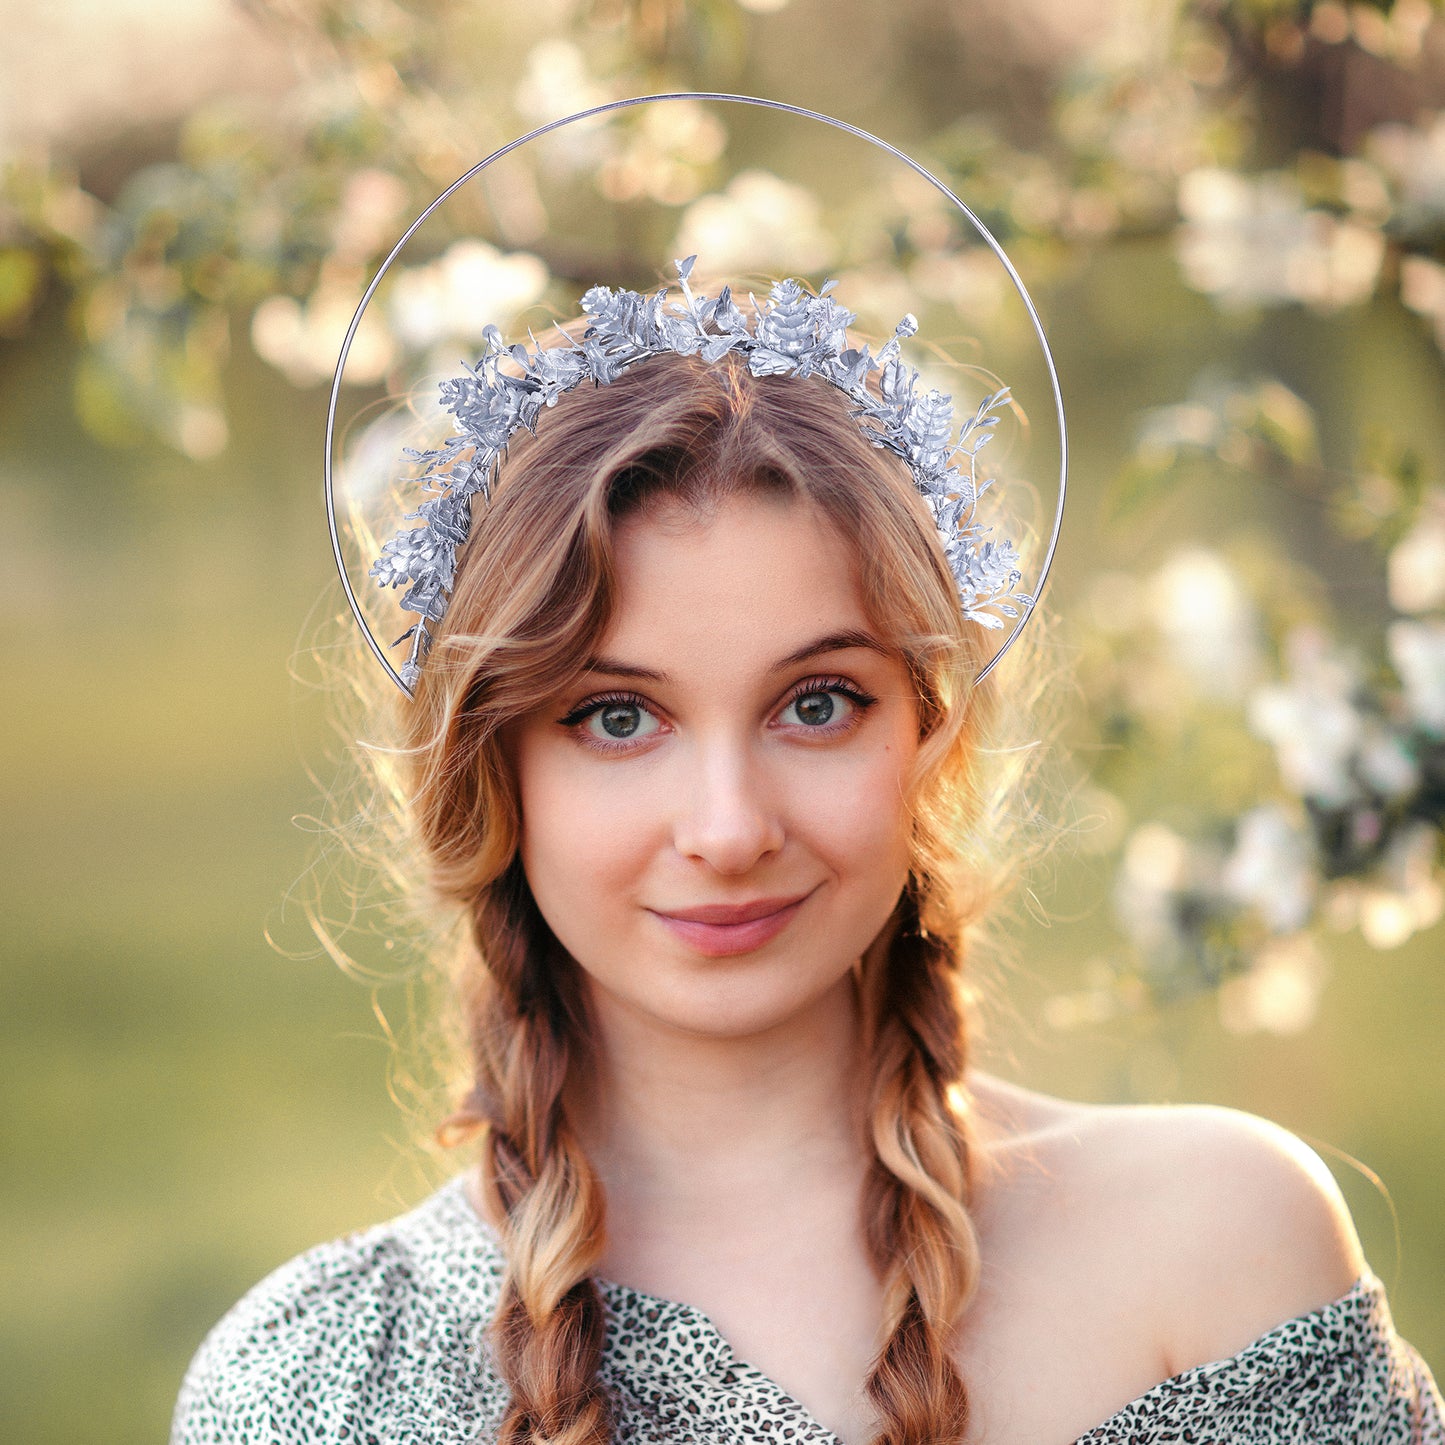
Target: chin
<point>735,1002</point>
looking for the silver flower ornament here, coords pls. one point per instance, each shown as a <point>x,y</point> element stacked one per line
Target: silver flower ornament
<point>797,333</point>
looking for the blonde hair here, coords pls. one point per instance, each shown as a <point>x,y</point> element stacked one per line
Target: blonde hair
<point>534,592</point>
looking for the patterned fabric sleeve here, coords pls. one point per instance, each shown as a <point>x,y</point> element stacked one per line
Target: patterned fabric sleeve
<point>348,1342</point>
<point>254,1372</point>
<point>1389,1389</point>
<point>1338,1376</point>
<point>1421,1410</point>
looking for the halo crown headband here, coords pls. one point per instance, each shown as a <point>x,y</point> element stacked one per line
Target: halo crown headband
<point>797,333</point>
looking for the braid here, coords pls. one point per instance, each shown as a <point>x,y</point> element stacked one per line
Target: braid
<point>549,1328</point>
<point>915,1197</point>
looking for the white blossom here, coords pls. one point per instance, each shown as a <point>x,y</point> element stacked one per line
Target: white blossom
<point>1280,991</point>
<point>1386,762</point>
<point>1206,620</point>
<point>372,206</point>
<point>1422,289</point>
<point>1417,561</point>
<point>759,223</point>
<point>557,82</point>
<point>1417,649</point>
<point>1413,157</point>
<point>664,156</point>
<point>1251,241</point>
<point>466,289</point>
<point>1155,866</point>
<point>1312,721</point>
<point>302,338</point>
<point>1406,896</point>
<point>1271,869</point>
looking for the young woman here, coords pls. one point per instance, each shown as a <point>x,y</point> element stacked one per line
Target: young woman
<point>696,753</point>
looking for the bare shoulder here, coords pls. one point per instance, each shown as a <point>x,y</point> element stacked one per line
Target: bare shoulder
<point>1208,1205</point>
<point>1263,1233</point>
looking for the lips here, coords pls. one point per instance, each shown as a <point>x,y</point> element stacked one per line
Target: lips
<point>731,913</point>
<point>720,929</point>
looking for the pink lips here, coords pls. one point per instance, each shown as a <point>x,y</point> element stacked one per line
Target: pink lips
<point>719,929</point>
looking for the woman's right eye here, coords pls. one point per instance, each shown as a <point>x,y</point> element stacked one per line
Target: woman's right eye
<point>613,720</point>
<point>622,720</point>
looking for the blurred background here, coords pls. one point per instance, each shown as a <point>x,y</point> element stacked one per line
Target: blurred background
<point>1232,216</point>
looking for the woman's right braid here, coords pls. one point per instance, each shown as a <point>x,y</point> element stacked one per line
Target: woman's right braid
<point>549,1329</point>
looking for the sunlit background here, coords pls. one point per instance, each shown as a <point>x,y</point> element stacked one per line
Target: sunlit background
<point>1232,215</point>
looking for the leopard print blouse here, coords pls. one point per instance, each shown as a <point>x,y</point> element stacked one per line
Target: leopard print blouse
<point>375,1339</point>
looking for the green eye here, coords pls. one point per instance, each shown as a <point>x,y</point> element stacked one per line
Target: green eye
<point>620,721</point>
<point>814,708</point>
<point>818,707</point>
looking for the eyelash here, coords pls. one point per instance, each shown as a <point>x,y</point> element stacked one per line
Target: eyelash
<point>861,701</point>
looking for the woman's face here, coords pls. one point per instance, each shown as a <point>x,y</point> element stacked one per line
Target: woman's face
<point>713,815</point>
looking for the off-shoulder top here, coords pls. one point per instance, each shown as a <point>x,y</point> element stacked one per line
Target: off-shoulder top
<point>376,1339</point>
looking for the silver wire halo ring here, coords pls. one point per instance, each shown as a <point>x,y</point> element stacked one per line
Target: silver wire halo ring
<point>614,105</point>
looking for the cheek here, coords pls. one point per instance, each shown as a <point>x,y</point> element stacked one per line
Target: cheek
<point>583,835</point>
<point>855,813</point>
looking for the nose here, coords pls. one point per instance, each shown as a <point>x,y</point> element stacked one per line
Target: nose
<point>728,816</point>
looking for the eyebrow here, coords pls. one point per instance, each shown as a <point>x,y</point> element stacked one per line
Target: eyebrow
<point>831,642</point>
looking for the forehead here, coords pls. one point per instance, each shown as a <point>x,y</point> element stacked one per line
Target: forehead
<point>753,575</point>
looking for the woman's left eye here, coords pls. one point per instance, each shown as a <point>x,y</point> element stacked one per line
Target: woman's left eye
<point>820,707</point>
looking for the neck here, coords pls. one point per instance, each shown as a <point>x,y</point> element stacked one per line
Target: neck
<point>671,1114</point>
